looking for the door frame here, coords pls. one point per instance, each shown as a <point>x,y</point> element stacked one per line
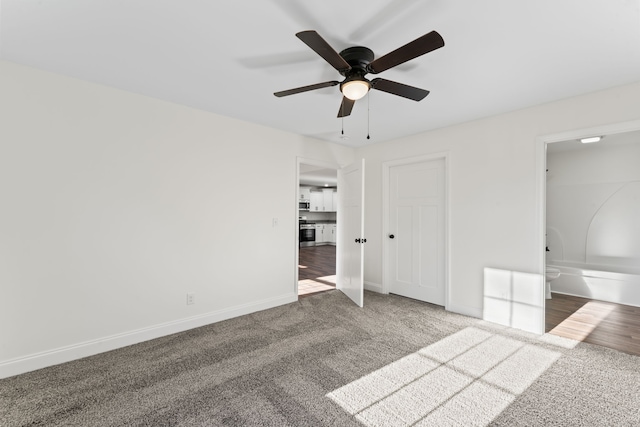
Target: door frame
<point>386,168</point>
<point>312,162</point>
<point>541,182</point>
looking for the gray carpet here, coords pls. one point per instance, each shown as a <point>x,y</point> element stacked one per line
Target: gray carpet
<point>323,361</point>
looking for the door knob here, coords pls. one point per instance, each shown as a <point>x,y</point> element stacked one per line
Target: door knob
<point>391,236</point>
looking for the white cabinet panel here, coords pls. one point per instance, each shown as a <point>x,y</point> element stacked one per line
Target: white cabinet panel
<point>324,201</point>
<point>305,193</point>
<point>317,200</point>
<point>327,200</point>
<point>320,235</point>
<point>331,233</point>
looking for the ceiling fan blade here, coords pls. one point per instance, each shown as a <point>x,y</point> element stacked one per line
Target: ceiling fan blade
<point>322,48</point>
<point>345,107</point>
<point>425,44</point>
<point>306,88</point>
<point>399,89</point>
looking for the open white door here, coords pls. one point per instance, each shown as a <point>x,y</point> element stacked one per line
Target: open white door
<point>350,248</point>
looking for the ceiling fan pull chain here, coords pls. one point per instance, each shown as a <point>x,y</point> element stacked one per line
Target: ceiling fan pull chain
<point>342,120</point>
<point>368,104</point>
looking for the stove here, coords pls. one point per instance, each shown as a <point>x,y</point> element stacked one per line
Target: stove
<point>307,233</point>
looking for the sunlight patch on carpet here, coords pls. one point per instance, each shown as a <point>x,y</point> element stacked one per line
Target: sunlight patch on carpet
<point>558,341</point>
<point>467,378</point>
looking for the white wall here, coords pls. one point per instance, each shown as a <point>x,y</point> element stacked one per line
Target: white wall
<point>494,214</point>
<point>114,206</point>
<point>589,219</point>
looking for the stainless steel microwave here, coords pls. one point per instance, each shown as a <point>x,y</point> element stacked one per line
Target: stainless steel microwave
<point>303,205</point>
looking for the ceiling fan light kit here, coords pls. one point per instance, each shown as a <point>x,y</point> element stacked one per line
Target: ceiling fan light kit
<point>356,62</point>
<point>355,89</point>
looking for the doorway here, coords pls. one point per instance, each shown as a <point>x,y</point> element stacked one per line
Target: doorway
<point>317,229</point>
<point>415,234</point>
<point>598,181</point>
<point>316,269</point>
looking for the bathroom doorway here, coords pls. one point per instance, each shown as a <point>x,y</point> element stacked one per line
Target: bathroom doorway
<point>591,194</point>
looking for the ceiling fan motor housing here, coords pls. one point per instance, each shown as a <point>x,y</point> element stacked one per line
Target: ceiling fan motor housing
<point>358,57</point>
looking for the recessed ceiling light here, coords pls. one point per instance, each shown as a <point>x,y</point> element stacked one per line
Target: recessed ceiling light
<point>590,139</point>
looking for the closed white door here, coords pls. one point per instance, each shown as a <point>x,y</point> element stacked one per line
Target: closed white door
<point>350,246</point>
<point>416,236</point>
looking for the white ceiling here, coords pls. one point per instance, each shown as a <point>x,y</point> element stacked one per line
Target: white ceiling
<point>317,176</point>
<point>229,57</point>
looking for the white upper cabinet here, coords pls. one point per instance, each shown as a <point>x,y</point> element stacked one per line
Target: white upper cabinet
<point>327,200</point>
<point>324,201</point>
<point>305,193</point>
<point>317,201</point>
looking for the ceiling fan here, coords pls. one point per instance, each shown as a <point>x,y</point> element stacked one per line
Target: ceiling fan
<point>356,62</point>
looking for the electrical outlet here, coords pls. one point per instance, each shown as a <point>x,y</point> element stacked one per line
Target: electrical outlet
<point>274,222</point>
<point>191,298</point>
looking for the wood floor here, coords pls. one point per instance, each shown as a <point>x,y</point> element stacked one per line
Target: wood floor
<point>603,323</point>
<point>607,324</point>
<point>316,269</point>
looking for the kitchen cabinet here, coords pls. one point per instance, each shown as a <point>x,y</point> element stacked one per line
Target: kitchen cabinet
<point>320,237</point>
<point>324,201</point>
<point>317,202</point>
<point>325,234</point>
<point>327,200</point>
<point>331,233</point>
<point>305,193</point>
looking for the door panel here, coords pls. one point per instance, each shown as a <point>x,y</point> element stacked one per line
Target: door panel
<point>350,254</point>
<point>429,245</point>
<point>403,226</point>
<point>416,261</point>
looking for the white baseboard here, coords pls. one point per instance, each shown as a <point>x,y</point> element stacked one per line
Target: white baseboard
<point>56,356</point>
<point>373,287</point>
<point>465,310</point>
<point>455,308</point>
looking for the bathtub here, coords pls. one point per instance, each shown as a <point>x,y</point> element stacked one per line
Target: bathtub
<point>606,283</point>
